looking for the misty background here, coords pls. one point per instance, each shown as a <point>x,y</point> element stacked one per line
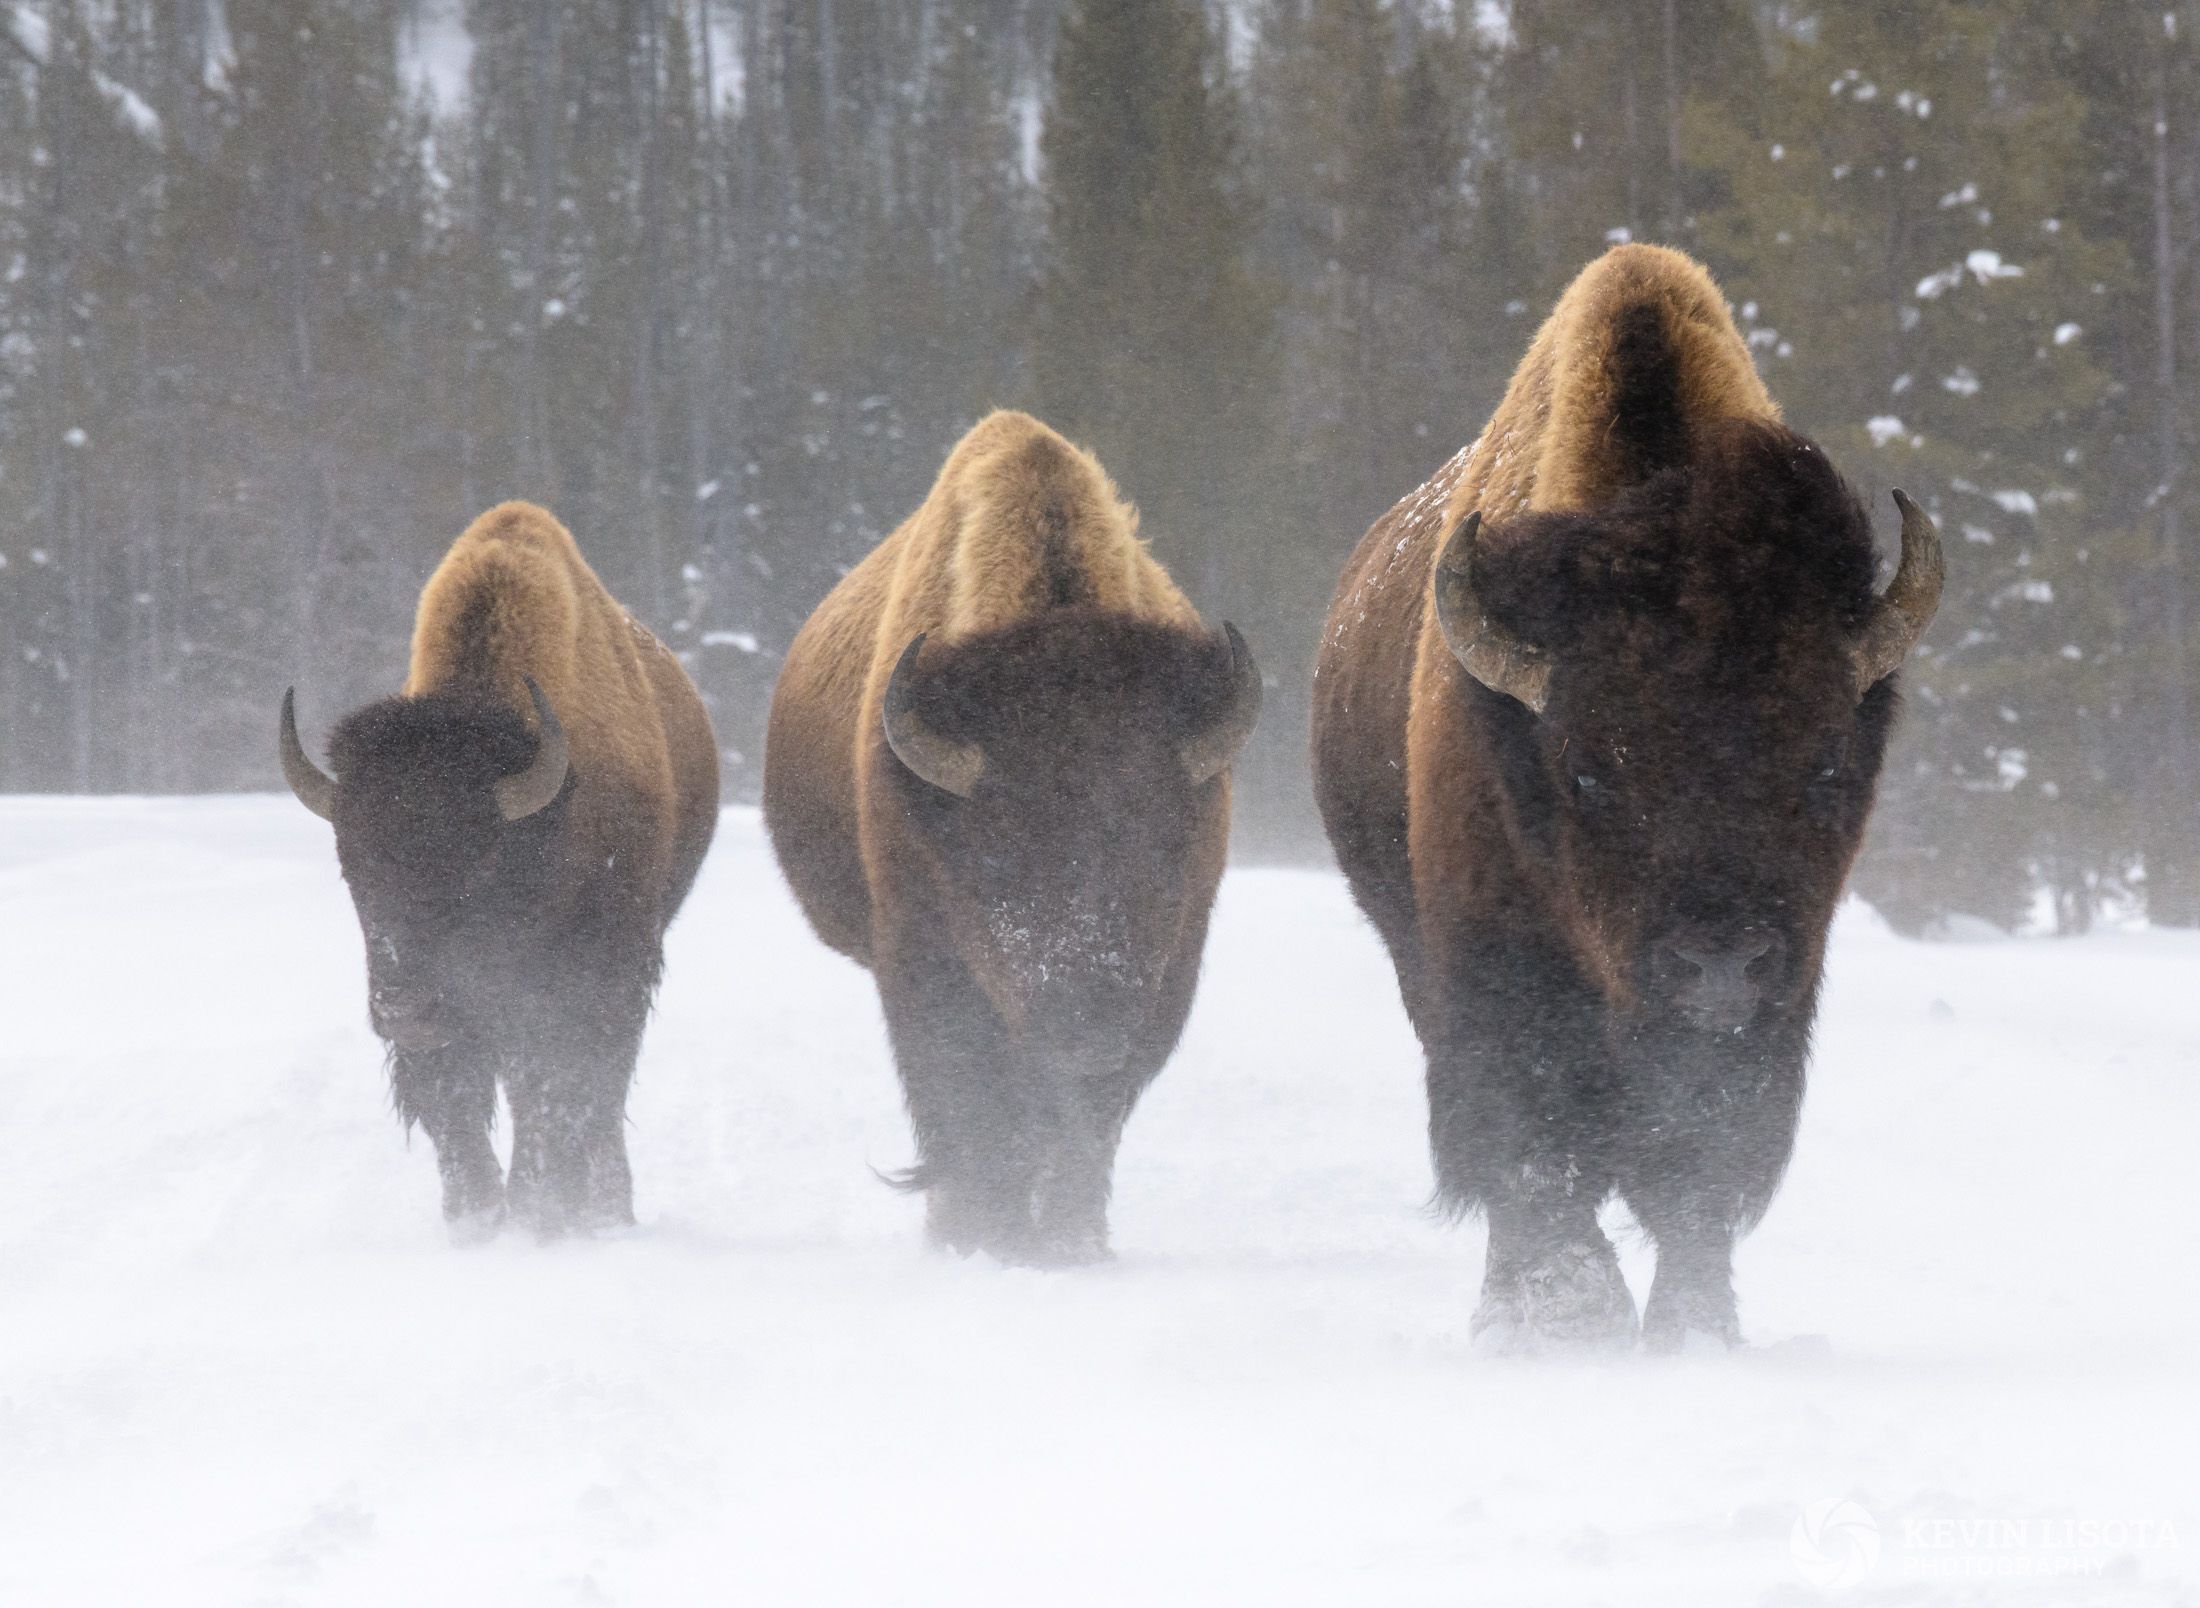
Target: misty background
<point>290,289</point>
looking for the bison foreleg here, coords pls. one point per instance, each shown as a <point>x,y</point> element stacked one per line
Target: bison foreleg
<point>1070,1214</point>
<point>1521,1121</point>
<point>451,1093</point>
<point>984,1123</point>
<point>1551,1279</point>
<point>568,1092</point>
<point>1677,1200</point>
<point>1711,1123</point>
<point>983,1160</point>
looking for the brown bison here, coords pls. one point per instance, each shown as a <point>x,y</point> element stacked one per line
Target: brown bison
<point>517,829</point>
<point>1598,716</point>
<point>997,774</point>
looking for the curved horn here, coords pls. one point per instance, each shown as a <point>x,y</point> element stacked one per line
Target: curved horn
<point>1206,752</point>
<point>1900,614</point>
<point>315,787</point>
<point>524,792</point>
<point>951,766</point>
<point>1490,653</point>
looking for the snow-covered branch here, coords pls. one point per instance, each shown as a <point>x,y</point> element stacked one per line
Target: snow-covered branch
<point>27,30</point>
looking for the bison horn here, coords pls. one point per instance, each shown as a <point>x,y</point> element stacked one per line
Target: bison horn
<point>524,792</point>
<point>1490,653</point>
<point>1901,613</point>
<point>315,787</point>
<point>1207,751</point>
<point>950,765</point>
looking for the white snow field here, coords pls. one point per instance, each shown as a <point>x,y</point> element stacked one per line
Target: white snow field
<point>241,1367</point>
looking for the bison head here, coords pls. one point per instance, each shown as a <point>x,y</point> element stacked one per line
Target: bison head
<point>1064,778</point>
<point>1690,690</point>
<point>428,794</point>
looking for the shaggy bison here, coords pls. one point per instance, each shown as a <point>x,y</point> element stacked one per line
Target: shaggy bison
<point>997,774</point>
<point>517,829</point>
<point>1599,712</point>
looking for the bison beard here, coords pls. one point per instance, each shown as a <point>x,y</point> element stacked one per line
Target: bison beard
<point>1597,776</point>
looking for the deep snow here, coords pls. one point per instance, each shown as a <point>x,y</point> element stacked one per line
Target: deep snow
<point>239,1364</point>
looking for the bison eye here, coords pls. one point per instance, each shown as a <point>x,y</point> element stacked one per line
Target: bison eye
<point>1589,791</point>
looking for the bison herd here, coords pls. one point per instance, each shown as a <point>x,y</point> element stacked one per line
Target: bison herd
<point>1599,711</point>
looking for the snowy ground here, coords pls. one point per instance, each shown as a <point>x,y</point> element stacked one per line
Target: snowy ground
<point>240,1366</point>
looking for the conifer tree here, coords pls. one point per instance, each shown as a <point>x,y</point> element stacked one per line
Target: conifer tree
<point>1153,338</point>
<point>1887,202</point>
<point>1154,342</point>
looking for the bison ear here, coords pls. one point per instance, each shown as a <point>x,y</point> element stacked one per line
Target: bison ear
<point>1487,651</point>
<point>316,789</point>
<point>944,762</point>
<point>1208,751</point>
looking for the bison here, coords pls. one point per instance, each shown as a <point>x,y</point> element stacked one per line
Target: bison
<point>997,774</point>
<point>1599,712</point>
<point>517,828</point>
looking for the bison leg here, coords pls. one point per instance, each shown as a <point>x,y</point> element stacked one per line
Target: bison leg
<point>1521,1121</point>
<point>1551,1280</point>
<point>1692,1297</point>
<point>981,1180</point>
<point>451,1092</point>
<point>1710,1127</point>
<point>569,1165</point>
<point>1024,1173</point>
<point>981,1158</point>
<point>979,1126</point>
<point>1070,1211</point>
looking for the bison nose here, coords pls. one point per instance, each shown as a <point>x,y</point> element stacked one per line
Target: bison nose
<point>1718,984</point>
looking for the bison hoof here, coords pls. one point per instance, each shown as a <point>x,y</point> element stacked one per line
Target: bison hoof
<point>549,1222</point>
<point>1699,1323</point>
<point>476,1225</point>
<point>1012,1243</point>
<point>605,1217</point>
<point>1024,1250</point>
<point>1572,1299</point>
<point>1079,1251</point>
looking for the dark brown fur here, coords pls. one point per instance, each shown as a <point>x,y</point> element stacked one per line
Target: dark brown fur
<point>522,952</point>
<point>1699,781</point>
<point>1035,944</point>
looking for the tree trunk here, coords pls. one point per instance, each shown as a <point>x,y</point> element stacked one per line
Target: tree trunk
<point>535,468</point>
<point>1672,31</point>
<point>1630,100</point>
<point>648,311</point>
<point>2173,862</point>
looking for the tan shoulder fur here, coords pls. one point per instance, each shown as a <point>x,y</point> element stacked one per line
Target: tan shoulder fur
<point>1020,521</point>
<point>1545,447</point>
<point>503,603</point>
<point>514,598</point>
